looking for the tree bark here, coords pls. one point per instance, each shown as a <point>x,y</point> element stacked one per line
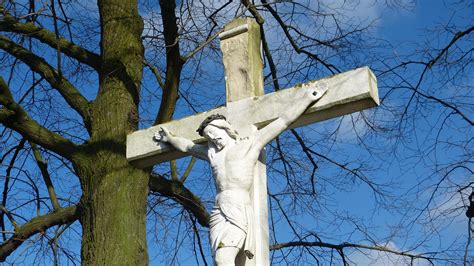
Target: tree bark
<point>115,193</point>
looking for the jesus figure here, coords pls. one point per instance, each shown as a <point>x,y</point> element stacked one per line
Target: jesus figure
<point>233,159</point>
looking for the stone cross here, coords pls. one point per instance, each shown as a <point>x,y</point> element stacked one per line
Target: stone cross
<point>348,92</point>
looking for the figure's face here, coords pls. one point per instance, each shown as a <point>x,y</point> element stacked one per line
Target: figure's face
<point>216,135</point>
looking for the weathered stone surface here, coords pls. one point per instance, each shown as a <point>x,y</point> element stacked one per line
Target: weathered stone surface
<point>348,92</point>
<point>242,59</point>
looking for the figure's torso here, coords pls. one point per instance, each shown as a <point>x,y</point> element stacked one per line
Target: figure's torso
<point>233,166</point>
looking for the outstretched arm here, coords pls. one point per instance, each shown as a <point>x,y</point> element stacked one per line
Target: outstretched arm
<point>182,144</point>
<point>294,109</point>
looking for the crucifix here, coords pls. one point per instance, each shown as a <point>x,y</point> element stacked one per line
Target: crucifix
<point>232,138</point>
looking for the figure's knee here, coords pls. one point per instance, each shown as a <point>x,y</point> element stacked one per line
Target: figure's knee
<point>226,256</point>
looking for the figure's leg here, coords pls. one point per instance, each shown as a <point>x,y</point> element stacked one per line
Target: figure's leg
<point>225,256</point>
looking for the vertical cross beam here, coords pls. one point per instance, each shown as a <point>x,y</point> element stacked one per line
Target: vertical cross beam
<point>240,45</point>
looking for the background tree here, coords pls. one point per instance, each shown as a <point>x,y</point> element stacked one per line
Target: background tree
<point>76,77</point>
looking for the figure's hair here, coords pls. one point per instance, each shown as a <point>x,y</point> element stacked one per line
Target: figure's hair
<point>223,124</point>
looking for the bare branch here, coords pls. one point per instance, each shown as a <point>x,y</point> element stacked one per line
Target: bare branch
<point>201,46</point>
<point>43,166</point>
<point>293,43</point>
<point>37,225</point>
<point>469,239</point>
<point>174,62</point>
<point>10,24</point>
<point>199,242</point>
<point>13,116</point>
<point>156,73</point>
<point>445,104</point>
<point>6,185</point>
<point>456,37</point>
<point>9,216</point>
<point>271,63</point>
<point>174,170</point>
<point>342,246</point>
<point>188,170</point>
<point>254,11</point>
<point>72,96</point>
<point>355,172</point>
<point>428,65</point>
<point>177,191</point>
<point>56,33</point>
<point>5,114</point>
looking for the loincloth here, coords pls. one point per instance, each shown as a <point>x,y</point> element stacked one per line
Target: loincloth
<point>231,223</point>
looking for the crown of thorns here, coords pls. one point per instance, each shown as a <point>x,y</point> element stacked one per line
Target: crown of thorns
<point>207,121</point>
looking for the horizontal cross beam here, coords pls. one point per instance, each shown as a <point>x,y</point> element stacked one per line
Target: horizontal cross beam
<point>348,92</point>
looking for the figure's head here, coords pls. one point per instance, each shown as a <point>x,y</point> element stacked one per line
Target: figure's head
<point>216,129</point>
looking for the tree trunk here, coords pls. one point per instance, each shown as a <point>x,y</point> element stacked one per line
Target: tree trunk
<point>115,193</point>
<point>114,216</point>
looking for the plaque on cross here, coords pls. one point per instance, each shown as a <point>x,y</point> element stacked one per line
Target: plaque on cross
<point>250,119</point>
